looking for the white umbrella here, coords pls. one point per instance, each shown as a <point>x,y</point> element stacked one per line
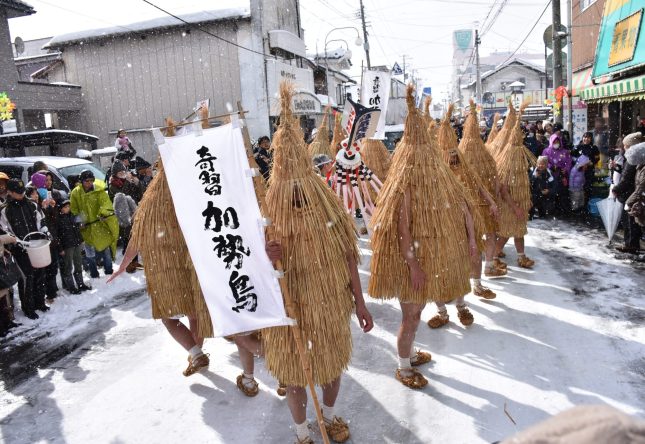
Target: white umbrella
<point>610,211</point>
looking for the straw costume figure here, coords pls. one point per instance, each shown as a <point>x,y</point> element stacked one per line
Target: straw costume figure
<point>320,254</point>
<point>377,158</point>
<point>338,136</point>
<point>171,279</point>
<point>421,249</point>
<point>502,138</point>
<point>482,208</point>
<point>494,129</point>
<point>320,144</point>
<point>513,163</point>
<point>482,163</point>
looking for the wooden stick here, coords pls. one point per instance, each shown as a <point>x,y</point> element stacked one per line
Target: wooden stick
<point>184,123</point>
<point>290,306</point>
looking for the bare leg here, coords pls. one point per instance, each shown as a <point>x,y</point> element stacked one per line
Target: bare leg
<point>501,241</point>
<point>194,330</point>
<point>250,343</point>
<point>476,265</point>
<point>297,402</point>
<point>330,392</point>
<point>179,332</point>
<point>246,359</point>
<point>410,318</point>
<point>519,244</point>
<point>489,252</point>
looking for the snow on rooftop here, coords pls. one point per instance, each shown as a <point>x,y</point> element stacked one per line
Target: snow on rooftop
<point>229,13</point>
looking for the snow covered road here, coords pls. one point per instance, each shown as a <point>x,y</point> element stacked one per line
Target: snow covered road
<point>569,332</point>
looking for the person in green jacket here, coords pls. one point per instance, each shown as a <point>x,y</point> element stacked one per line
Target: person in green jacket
<point>99,226</point>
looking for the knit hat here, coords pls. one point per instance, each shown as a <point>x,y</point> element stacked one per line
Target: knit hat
<point>117,167</point>
<point>632,139</point>
<point>320,160</point>
<point>85,175</point>
<point>636,154</point>
<point>16,186</point>
<point>141,164</point>
<point>3,176</point>
<point>39,180</point>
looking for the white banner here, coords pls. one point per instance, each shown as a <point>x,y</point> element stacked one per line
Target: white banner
<point>375,92</point>
<point>212,191</point>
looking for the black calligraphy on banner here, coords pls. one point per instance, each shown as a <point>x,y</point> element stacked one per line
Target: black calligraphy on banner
<point>209,177</point>
<point>376,87</point>
<point>241,289</point>
<point>230,247</point>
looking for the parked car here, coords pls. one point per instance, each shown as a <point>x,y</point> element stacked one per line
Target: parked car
<point>392,134</point>
<point>62,167</point>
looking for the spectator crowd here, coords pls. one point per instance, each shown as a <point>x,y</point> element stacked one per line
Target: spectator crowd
<point>83,230</point>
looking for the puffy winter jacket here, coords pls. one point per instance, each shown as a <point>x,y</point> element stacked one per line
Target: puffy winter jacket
<point>69,233</point>
<point>577,176</point>
<point>94,210</point>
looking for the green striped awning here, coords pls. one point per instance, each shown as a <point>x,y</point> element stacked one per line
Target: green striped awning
<point>632,88</point>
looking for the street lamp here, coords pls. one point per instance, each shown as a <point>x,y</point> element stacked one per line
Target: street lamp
<point>358,42</point>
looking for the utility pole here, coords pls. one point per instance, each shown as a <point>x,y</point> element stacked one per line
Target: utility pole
<point>366,45</point>
<point>557,52</point>
<point>479,77</point>
<point>404,77</point>
<point>569,69</point>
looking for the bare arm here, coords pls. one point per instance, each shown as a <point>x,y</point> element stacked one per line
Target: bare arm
<point>406,248</point>
<point>491,202</point>
<point>362,313</point>
<point>470,228</point>
<point>129,255</point>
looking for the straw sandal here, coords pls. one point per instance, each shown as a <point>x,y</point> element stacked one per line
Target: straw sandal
<point>465,316</point>
<point>501,254</point>
<point>337,429</point>
<point>438,320</point>
<point>195,365</point>
<point>525,262</point>
<point>307,440</point>
<point>282,389</point>
<point>497,263</point>
<point>420,358</point>
<point>494,272</point>
<point>248,390</point>
<point>414,381</point>
<point>484,292</point>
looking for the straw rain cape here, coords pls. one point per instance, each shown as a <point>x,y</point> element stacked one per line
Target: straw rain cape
<point>376,157</point>
<point>316,235</point>
<point>480,162</point>
<point>477,205</point>
<point>338,136</point>
<point>504,135</point>
<point>513,164</point>
<point>320,144</point>
<point>437,223</point>
<point>494,129</point>
<point>170,275</point>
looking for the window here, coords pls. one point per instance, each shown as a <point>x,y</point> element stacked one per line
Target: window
<point>584,4</point>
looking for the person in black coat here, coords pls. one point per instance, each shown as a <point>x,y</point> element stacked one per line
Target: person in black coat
<point>622,191</point>
<point>19,218</point>
<point>70,246</point>
<point>542,188</point>
<point>263,156</point>
<point>587,148</point>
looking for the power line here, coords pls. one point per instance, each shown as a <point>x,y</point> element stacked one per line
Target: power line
<point>527,35</point>
<point>199,28</point>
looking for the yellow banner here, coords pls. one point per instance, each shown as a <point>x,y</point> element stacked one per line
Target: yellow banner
<point>623,43</point>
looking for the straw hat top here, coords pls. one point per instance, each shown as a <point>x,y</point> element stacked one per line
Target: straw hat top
<point>290,158</point>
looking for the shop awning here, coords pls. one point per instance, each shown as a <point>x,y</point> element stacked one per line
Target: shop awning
<point>581,80</point>
<point>632,88</point>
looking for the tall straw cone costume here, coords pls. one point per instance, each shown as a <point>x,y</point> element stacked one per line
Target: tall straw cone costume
<point>170,275</point>
<point>494,130</point>
<point>320,144</point>
<point>430,124</point>
<point>437,226</point>
<point>513,164</point>
<point>376,157</point>
<point>504,135</point>
<point>338,136</point>
<point>480,161</point>
<point>315,233</point>
<point>479,207</point>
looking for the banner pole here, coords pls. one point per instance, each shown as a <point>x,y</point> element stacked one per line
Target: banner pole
<point>290,307</point>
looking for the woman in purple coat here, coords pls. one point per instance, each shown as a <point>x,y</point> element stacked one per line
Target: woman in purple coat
<point>560,165</point>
